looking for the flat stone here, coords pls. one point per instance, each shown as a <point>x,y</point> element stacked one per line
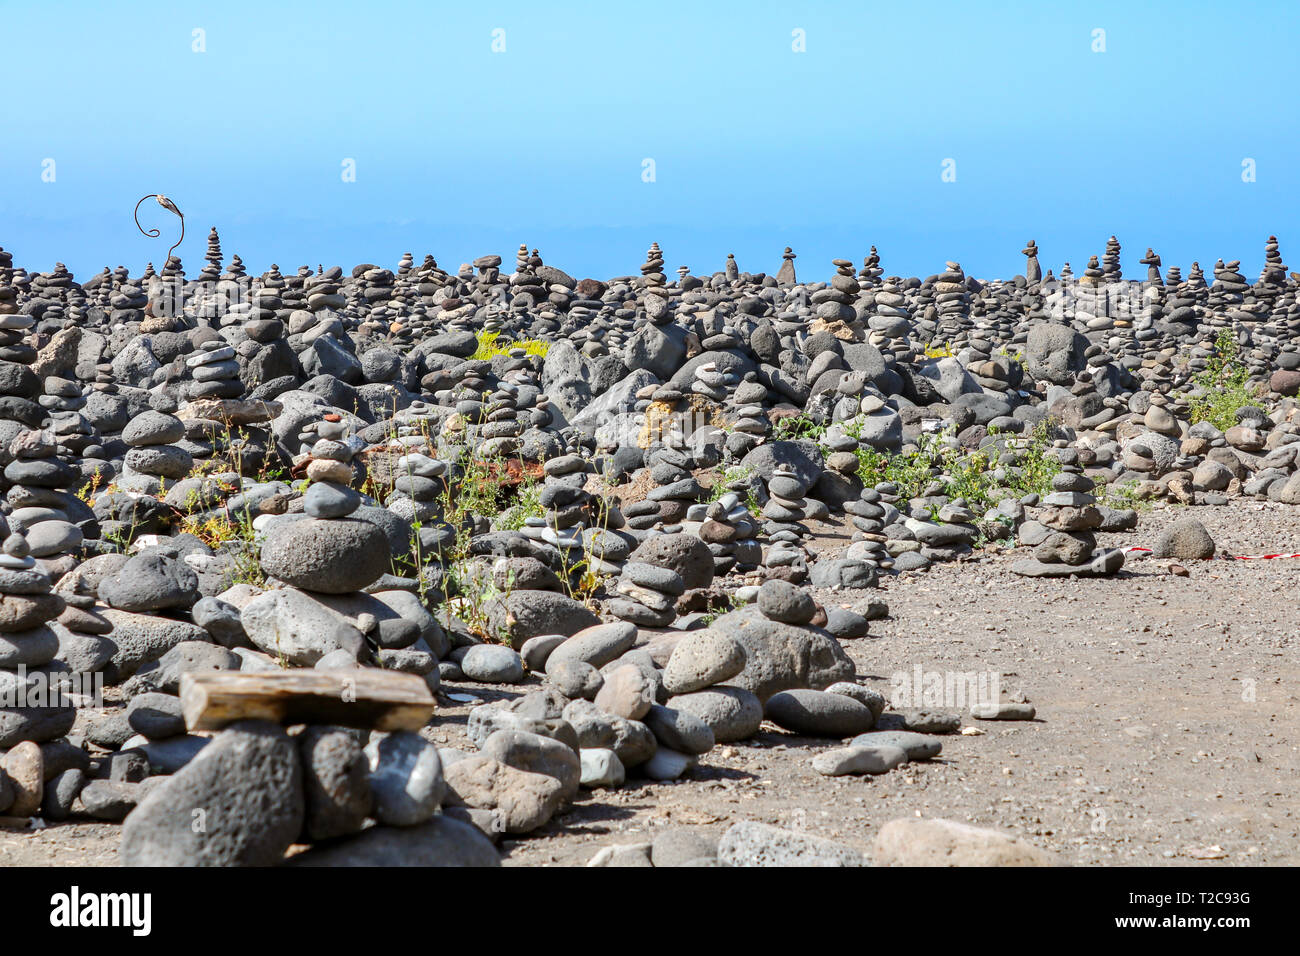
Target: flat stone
<point>858,760</point>
<point>749,843</point>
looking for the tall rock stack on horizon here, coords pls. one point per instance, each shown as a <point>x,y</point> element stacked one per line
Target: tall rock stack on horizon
<point>869,276</point>
<point>785,275</point>
<point>653,280</point>
<point>1152,261</point>
<point>890,321</point>
<point>1110,264</point>
<point>1033,271</point>
<point>952,303</point>
<point>1199,290</point>
<point>100,290</point>
<point>1090,293</point>
<point>1271,287</point>
<point>1227,296</point>
<point>834,305</point>
<point>211,272</point>
<point>1114,289</point>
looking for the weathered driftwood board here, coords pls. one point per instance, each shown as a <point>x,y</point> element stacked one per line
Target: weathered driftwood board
<point>370,698</point>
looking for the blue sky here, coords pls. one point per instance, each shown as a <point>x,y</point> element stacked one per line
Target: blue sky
<point>461,151</point>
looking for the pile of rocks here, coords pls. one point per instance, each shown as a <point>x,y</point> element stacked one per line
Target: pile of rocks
<point>661,481</point>
<point>1064,540</point>
<point>155,454</point>
<point>37,707</point>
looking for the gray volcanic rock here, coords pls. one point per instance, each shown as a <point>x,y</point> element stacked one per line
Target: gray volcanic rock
<point>818,713</point>
<point>330,556</point>
<point>440,841</point>
<point>151,582</point>
<point>1187,539</point>
<point>522,615</point>
<point>1055,353</point>
<point>239,802</point>
<point>757,844</point>
<point>783,657</point>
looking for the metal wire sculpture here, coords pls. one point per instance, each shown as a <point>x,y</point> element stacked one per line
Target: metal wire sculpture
<point>155,233</point>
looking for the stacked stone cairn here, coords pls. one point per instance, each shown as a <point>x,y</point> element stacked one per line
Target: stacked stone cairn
<point>155,456</point>
<point>1064,536</point>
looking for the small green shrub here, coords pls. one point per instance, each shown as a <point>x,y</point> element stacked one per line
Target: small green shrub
<point>796,427</point>
<point>976,476</point>
<point>1224,385</point>
<point>488,347</point>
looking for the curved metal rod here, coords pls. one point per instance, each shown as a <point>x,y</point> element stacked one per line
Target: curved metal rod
<point>155,233</point>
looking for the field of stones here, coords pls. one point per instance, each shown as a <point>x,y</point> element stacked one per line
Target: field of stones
<point>417,567</point>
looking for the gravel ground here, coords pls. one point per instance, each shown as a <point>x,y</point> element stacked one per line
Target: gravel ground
<point>1166,730</point>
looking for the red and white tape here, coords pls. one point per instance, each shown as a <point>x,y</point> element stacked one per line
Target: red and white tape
<point>1234,557</point>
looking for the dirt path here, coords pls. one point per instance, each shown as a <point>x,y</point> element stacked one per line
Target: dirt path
<point>1168,727</point>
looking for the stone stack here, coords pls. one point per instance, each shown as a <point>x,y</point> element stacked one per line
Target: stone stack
<point>786,507</point>
<point>528,290</point>
<point>834,305</point>
<point>1180,305</point>
<point>154,456</point>
<point>1274,271</point>
<point>1063,537</point>
<point>267,363</point>
<point>418,488</point>
<point>214,372</point>
<point>1110,266</point>
<point>568,506</point>
<point>236,272</point>
<point>211,273</point>
<point>652,272</point>
<point>1228,293</point>
<point>13,327</point>
<point>675,487</point>
<point>1152,262</point>
<point>664,568</point>
<point>714,383</point>
<point>870,514</point>
<point>952,304</point>
<point>45,507</point>
<point>325,556</point>
<point>330,494</point>
<point>731,532</point>
<point>890,322</point>
<point>646,595</point>
<point>869,276</point>
<point>1196,285</point>
<point>1090,297</point>
<point>1033,271</point>
<point>785,277</point>
<point>34,707</point>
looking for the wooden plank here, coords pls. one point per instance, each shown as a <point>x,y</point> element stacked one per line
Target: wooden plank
<point>368,698</point>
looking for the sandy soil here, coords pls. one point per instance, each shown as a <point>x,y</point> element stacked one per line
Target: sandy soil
<point>1167,728</point>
